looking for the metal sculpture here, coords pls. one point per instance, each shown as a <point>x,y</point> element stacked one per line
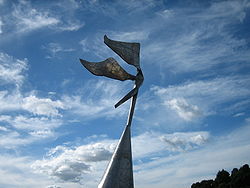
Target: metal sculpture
<point>119,173</point>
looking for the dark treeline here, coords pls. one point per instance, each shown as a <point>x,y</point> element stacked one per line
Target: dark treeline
<point>239,178</point>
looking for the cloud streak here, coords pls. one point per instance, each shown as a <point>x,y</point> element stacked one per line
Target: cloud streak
<point>28,18</point>
<point>203,96</point>
<point>12,69</point>
<point>54,49</point>
<point>97,101</point>
<point>204,41</point>
<point>25,17</point>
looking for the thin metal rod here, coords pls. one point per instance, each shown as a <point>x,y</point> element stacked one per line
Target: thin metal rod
<point>132,109</point>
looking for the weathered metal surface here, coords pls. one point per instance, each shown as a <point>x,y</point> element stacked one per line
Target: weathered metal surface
<point>128,51</point>
<point>119,173</point>
<point>138,82</point>
<point>109,68</point>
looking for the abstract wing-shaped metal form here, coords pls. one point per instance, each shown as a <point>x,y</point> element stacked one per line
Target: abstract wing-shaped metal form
<point>128,51</point>
<point>119,173</point>
<point>109,68</point>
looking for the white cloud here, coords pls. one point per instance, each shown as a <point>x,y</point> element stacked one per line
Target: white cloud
<point>34,118</point>
<point>137,6</point>
<point>225,152</point>
<point>219,10</point>
<point>33,104</point>
<point>12,70</point>
<point>130,36</point>
<point>98,99</point>
<point>239,114</point>
<point>42,106</point>
<point>2,128</point>
<point>55,48</point>
<point>21,130</point>
<point>155,146</point>
<point>201,159</point>
<point>167,13</point>
<point>15,169</point>
<point>202,42</point>
<point>13,139</point>
<point>43,133</point>
<point>28,18</point>
<point>176,107</point>
<point>71,26</point>
<point>162,144</point>
<point>1,25</point>
<point>96,46</point>
<point>186,111</point>
<point>63,162</point>
<point>71,164</point>
<point>185,141</point>
<point>10,101</point>
<point>205,96</point>
<point>31,123</point>
<point>84,45</point>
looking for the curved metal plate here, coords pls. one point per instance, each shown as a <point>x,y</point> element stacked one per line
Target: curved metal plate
<point>128,51</point>
<point>109,68</point>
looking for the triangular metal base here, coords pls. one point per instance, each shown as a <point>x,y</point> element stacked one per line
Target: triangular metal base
<point>119,173</point>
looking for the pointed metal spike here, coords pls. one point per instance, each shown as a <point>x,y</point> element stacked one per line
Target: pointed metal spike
<point>109,68</point>
<point>119,173</point>
<point>127,97</point>
<point>128,51</point>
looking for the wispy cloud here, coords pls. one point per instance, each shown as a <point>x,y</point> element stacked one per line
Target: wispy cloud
<point>15,169</point>
<point>204,41</point>
<point>31,123</point>
<point>1,25</point>
<point>70,26</point>
<point>96,46</point>
<point>12,70</point>
<point>21,130</point>
<point>35,118</point>
<point>12,140</point>
<point>137,6</point>
<point>26,17</point>
<point>188,104</point>
<point>55,48</point>
<point>130,36</point>
<point>204,96</point>
<point>98,99</point>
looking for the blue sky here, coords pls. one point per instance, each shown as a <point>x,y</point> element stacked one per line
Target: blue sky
<point>58,124</point>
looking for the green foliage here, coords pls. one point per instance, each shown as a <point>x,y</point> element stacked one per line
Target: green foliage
<point>238,179</point>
